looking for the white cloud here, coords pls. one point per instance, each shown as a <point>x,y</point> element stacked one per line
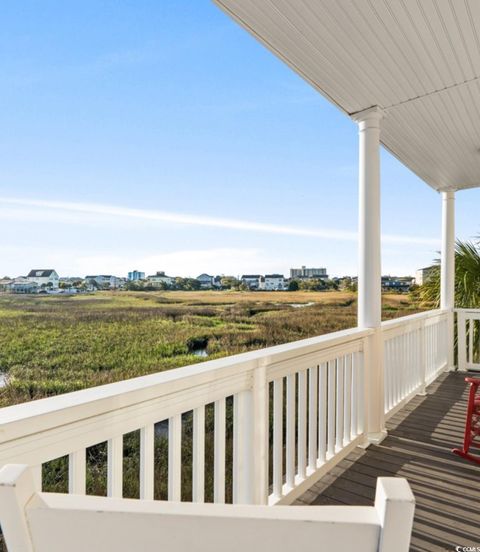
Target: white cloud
<point>88,213</point>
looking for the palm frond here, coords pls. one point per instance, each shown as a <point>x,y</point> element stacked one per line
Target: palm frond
<point>467,278</point>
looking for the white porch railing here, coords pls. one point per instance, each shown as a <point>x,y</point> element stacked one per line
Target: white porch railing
<point>278,419</point>
<point>415,353</point>
<point>468,332</point>
<point>313,387</point>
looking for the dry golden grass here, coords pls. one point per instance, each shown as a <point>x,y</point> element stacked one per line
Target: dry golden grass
<point>219,297</point>
<point>226,297</point>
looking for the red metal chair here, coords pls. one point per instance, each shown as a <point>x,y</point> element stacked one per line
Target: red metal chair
<point>472,423</point>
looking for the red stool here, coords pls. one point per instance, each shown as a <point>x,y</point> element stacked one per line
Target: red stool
<point>472,423</point>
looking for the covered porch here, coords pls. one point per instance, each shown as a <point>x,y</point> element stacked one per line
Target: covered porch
<point>318,420</point>
<point>280,426</point>
<point>418,447</point>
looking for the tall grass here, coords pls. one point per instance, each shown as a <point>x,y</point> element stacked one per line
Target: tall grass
<point>53,345</point>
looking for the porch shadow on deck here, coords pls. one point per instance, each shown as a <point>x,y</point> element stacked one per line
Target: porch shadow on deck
<point>446,487</point>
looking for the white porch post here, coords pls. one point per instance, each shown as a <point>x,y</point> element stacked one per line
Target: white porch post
<point>369,275</point>
<point>447,276</point>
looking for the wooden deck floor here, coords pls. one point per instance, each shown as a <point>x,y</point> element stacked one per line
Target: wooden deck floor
<point>446,487</point>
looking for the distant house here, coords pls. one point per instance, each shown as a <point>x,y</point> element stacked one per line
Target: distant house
<point>24,285</point>
<point>44,278</point>
<point>160,279</point>
<point>272,282</point>
<point>104,281</point>
<point>206,281</point>
<point>395,283</point>
<point>252,281</point>
<point>135,275</point>
<point>5,284</point>
<point>308,273</point>
<point>423,274</point>
<point>70,281</point>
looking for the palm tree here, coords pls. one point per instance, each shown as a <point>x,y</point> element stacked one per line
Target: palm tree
<point>467,278</point>
<point>467,286</point>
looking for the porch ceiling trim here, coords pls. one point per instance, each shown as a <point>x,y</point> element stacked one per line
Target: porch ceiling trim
<point>418,61</point>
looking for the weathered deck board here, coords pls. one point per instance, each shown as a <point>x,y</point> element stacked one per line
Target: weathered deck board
<point>446,487</point>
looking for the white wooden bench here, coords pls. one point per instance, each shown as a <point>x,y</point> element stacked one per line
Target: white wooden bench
<point>45,522</point>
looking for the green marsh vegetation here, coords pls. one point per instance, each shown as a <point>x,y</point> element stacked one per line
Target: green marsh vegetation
<point>56,344</point>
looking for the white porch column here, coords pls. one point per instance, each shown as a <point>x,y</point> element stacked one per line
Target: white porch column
<point>447,275</point>
<point>369,275</point>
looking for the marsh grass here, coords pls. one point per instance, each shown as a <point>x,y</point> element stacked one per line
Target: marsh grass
<point>53,344</point>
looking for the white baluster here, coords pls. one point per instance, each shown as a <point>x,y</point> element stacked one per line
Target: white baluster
<point>462,342</point>
<point>331,409</point>
<point>175,458</point>
<point>340,403</point>
<point>147,452</point>
<point>471,329</point>
<point>242,448</point>
<point>322,412</point>
<point>219,454</point>
<point>115,467</point>
<point>198,453</point>
<point>347,419</point>
<point>260,421</point>
<point>290,452</point>
<point>361,392</point>
<point>277,438</point>
<point>77,472</point>
<point>355,384</point>
<point>302,425</point>
<point>312,417</point>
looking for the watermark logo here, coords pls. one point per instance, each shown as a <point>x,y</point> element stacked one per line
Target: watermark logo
<point>467,548</point>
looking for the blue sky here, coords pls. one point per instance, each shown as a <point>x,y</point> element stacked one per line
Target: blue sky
<point>160,136</point>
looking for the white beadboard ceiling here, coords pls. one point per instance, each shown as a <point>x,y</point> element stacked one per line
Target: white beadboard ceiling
<point>419,60</point>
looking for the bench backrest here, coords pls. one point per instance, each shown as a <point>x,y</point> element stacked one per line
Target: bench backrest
<point>46,522</point>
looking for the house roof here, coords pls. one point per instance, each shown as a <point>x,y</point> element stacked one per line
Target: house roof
<point>418,61</point>
<point>244,276</point>
<point>40,273</point>
<point>274,276</point>
<point>23,281</point>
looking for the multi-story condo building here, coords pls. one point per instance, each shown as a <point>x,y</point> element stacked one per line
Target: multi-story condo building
<point>308,273</point>
<point>135,275</point>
